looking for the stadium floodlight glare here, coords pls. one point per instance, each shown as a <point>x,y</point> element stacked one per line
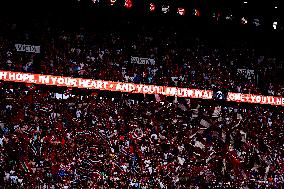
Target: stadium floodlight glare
<point>216,15</point>
<point>112,2</point>
<point>256,22</point>
<point>152,7</point>
<point>274,25</point>
<point>165,8</point>
<point>244,20</point>
<point>196,12</point>
<point>128,4</point>
<point>181,11</point>
<point>229,17</point>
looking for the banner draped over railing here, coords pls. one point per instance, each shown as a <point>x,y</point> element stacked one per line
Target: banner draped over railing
<point>133,88</point>
<point>258,99</point>
<point>104,85</point>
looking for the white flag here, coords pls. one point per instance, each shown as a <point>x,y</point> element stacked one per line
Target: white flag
<point>204,123</point>
<point>158,99</point>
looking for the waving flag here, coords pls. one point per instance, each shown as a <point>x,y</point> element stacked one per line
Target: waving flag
<point>26,166</point>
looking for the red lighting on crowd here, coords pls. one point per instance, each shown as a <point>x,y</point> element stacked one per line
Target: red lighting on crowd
<point>181,11</point>
<point>152,7</point>
<point>128,4</point>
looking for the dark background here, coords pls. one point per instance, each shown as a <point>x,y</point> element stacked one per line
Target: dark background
<point>73,14</point>
<point>70,13</point>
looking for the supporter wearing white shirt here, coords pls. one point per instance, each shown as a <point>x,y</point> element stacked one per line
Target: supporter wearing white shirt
<point>7,176</point>
<point>78,113</point>
<point>162,186</point>
<point>9,54</point>
<point>82,65</point>
<point>126,77</point>
<point>1,140</point>
<point>181,160</point>
<point>143,148</point>
<point>53,115</point>
<point>78,51</point>
<point>14,179</point>
<point>9,107</point>
<point>147,162</point>
<point>9,62</point>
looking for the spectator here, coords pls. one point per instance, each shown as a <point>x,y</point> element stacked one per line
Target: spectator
<point>139,143</point>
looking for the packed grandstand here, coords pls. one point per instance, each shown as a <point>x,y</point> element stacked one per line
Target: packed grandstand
<point>134,104</point>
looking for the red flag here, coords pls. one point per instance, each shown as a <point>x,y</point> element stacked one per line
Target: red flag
<point>18,117</point>
<point>31,86</point>
<point>59,125</point>
<point>21,115</point>
<point>26,166</point>
<point>68,91</point>
<point>29,97</point>
<point>94,94</point>
<point>69,117</point>
<point>63,141</point>
<point>28,84</point>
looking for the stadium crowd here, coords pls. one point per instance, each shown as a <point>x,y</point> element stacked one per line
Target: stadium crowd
<point>100,140</point>
<point>93,140</point>
<point>177,59</point>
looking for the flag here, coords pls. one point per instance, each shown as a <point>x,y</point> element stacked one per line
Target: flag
<point>236,161</point>
<point>204,123</point>
<point>244,135</point>
<point>239,116</point>
<point>63,142</point>
<point>46,94</point>
<point>188,102</point>
<point>182,107</point>
<point>198,144</point>
<point>58,125</point>
<point>94,93</point>
<point>175,100</point>
<point>29,98</point>
<point>33,148</point>
<point>217,111</point>
<point>30,86</point>
<point>157,97</point>
<point>68,116</point>
<point>68,91</point>
<point>26,166</point>
<point>21,115</point>
<point>83,133</point>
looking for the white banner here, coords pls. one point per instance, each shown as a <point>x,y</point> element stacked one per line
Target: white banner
<point>138,60</point>
<point>249,74</point>
<point>27,48</point>
<point>62,96</point>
